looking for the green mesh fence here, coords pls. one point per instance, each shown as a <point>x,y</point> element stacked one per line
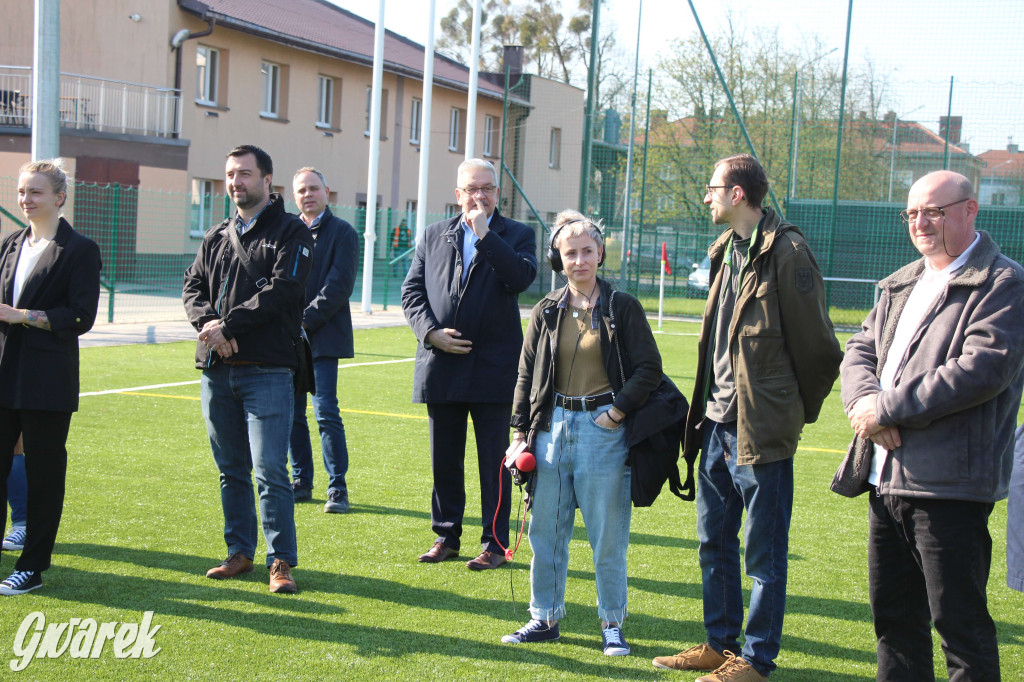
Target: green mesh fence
<point>148,239</point>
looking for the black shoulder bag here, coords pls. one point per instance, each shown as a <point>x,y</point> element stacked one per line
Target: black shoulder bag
<point>304,379</point>
<point>654,435</point>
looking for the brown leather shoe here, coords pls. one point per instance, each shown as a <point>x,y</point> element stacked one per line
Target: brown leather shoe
<point>485,561</point>
<point>234,565</point>
<point>697,657</point>
<point>438,553</point>
<point>735,669</point>
<point>281,578</point>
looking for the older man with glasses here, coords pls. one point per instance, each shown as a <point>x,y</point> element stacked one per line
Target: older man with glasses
<point>932,385</point>
<point>461,298</point>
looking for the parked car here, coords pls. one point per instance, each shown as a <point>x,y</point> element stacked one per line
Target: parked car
<point>700,278</point>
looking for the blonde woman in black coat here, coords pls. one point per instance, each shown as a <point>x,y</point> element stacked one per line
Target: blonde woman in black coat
<point>49,290</point>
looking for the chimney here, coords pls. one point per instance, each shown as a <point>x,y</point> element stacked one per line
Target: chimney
<point>954,124</point>
<point>1013,148</point>
<point>512,58</point>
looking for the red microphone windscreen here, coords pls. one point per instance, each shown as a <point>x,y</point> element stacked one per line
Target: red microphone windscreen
<point>526,461</point>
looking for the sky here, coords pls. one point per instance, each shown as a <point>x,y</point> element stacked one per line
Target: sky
<point>917,45</point>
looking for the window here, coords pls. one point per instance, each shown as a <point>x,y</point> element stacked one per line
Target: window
<point>207,66</point>
<point>456,141</point>
<point>490,133</point>
<point>999,198</point>
<point>271,90</point>
<point>325,103</point>
<point>202,207</point>
<point>555,152</point>
<point>410,212</point>
<point>416,121</point>
<point>452,210</point>
<point>383,112</point>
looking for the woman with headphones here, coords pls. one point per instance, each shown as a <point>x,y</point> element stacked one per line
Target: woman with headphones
<point>569,406</point>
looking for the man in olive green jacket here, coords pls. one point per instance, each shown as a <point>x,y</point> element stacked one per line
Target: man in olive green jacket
<point>767,358</point>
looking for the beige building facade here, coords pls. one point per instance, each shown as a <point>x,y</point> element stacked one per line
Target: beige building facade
<point>247,73</point>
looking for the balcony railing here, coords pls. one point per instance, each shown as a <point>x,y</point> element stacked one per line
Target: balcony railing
<point>89,103</point>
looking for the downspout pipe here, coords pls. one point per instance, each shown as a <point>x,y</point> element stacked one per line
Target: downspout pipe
<point>176,42</point>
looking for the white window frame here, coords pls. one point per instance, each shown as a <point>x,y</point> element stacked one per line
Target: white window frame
<point>410,212</point>
<point>202,202</point>
<point>415,121</point>
<point>207,74</point>
<point>452,210</point>
<point>271,107</point>
<point>489,129</point>
<point>455,138</point>
<point>555,150</point>
<point>325,101</point>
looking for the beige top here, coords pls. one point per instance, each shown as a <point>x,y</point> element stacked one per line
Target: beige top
<point>579,366</point>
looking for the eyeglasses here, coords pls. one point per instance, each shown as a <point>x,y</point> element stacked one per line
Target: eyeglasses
<point>708,188</point>
<point>930,213</point>
<point>486,189</point>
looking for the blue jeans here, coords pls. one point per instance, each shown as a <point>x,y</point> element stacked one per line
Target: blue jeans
<point>332,430</point>
<point>580,464</point>
<point>248,412</point>
<point>724,489</point>
<point>17,492</point>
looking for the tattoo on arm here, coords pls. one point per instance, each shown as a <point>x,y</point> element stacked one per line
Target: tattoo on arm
<point>37,318</point>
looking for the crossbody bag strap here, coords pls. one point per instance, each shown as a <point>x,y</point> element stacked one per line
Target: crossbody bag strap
<point>243,257</point>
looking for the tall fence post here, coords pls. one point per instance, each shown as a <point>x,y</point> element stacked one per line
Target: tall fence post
<point>113,251</point>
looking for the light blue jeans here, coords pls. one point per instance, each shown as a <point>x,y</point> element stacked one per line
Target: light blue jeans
<point>248,412</point>
<point>580,464</point>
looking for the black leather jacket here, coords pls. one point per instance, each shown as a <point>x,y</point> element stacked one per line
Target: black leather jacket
<point>535,389</point>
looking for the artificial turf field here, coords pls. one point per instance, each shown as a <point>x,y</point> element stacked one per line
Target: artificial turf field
<point>142,524</point>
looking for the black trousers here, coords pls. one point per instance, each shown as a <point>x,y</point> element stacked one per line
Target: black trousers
<point>928,562</point>
<point>46,464</point>
<point>448,422</point>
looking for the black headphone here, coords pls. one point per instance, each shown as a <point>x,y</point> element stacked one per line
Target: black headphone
<point>555,256</point>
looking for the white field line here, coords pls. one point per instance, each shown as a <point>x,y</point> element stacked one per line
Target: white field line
<point>196,381</point>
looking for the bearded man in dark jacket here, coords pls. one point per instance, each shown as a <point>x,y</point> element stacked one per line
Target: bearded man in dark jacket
<point>244,294</point>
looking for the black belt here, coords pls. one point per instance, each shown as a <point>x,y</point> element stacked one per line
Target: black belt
<point>584,403</point>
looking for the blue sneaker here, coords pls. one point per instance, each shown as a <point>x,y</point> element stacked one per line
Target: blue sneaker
<point>15,540</point>
<point>21,582</point>
<point>534,631</point>
<point>613,642</point>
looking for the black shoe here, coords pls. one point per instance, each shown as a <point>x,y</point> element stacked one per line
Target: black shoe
<point>21,582</point>
<point>301,491</point>
<point>337,502</point>
<point>534,631</point>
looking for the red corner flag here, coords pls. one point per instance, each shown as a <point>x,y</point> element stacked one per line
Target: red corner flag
<point>664,259</point>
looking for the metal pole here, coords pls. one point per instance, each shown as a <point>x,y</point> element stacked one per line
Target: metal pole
<point>46,81</point>
<point>794,144</point>
<point>949,125</point>
<point>732,102</point>
<point>839,148</point>
<point>474,75</point>
<point>643,172</point>
<point>425,106</point>
<point>627,210</point>
<point>588,119</point>
<point>370,233</point>
<point>892,155</point>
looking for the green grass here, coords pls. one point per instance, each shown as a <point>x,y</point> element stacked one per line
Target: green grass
<point>142,524</point>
